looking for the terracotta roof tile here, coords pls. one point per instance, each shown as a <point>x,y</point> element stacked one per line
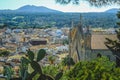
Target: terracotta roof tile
<point>97,41</point>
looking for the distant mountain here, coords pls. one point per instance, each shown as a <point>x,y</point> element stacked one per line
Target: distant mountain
<point>113,10</point>
<point>32,8</point>
<point>42,9</point>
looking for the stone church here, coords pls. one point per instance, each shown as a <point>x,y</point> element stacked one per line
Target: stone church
<point>87,45</point>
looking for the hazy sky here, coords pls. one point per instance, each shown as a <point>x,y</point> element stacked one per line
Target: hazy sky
<point>83,7</point>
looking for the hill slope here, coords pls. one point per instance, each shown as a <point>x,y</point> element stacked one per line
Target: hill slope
<point>31,8</point>
<point>113,10</point>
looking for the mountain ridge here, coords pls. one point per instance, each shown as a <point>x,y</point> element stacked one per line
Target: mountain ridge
<point>112,10</point>
<point>42,9</point>
<point>32,8</point>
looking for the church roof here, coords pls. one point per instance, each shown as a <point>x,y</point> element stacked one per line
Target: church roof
<point>98,41</point>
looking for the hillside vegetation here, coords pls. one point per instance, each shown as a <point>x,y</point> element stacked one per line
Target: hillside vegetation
<point>38,20</point>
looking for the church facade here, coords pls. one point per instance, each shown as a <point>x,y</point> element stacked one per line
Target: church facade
<point>86,45</point>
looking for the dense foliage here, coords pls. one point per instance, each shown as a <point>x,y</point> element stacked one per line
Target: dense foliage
<point>46,20</point>
<point>92,2</point>
<point>4,53</point>
<point>99,69</point>
<point>51,70</point>
<point>68,61</point>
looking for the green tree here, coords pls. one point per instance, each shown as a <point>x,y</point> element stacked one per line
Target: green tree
<point>92,2</point>
<point>68,61</point>
<point>65,41</point>
<point>51,59</point>
<point>4,53</point>
<point>8,72</point>
<point>98,69</point>
<point>51,70</point>
<point>3,26</point>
